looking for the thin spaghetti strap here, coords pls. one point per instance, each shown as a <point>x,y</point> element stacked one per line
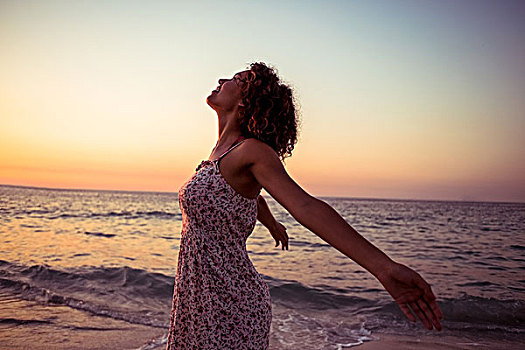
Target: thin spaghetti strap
<point>235,144</point>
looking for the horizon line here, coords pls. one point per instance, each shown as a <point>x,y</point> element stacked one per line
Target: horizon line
<point>331,197</point>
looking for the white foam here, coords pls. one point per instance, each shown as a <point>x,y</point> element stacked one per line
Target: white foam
<point>294,329</point>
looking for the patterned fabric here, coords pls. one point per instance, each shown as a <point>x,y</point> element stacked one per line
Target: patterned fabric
<point>220,301</point>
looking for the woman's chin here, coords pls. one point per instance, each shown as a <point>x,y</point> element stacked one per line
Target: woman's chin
<point>209,100</point>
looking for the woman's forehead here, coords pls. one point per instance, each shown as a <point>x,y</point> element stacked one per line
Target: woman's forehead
<point>243,74</point>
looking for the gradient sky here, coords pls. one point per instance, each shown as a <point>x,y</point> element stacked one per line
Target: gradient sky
<point>398,99</point>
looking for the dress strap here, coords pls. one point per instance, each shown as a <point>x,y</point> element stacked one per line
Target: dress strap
<point>236,143</point>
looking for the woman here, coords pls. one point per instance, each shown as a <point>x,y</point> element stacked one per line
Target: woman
<point>220,301</point>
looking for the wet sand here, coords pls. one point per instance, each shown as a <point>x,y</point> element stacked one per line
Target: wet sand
<point>441,342</point>
<point>29,325</point>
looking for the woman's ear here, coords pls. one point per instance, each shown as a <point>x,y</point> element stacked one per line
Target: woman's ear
<point>239,117</point>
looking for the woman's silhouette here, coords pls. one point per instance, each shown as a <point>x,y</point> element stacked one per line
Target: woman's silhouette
<point>220,301</point>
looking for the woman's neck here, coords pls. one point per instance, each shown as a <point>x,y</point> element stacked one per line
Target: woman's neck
<point>229,130</point>
<point>228,134</point>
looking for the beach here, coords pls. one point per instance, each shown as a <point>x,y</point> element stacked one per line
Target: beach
<point>31,325</point>
<point>402,342</point>
<point>83,269</point>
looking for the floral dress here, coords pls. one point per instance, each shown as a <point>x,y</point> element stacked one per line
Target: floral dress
<point>220,301</point>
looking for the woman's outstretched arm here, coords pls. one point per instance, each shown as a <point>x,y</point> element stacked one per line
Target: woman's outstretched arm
<point>277,230</point>
<point>411,292</point>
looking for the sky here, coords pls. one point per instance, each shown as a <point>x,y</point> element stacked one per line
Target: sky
<point>397,99</point>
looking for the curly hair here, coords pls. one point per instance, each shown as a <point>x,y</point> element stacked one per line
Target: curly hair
<point>268,111</point>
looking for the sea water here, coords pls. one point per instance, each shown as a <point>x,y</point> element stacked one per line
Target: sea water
<point>114,254</point>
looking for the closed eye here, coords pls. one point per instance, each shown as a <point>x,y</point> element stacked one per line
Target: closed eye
<point>238,79</point>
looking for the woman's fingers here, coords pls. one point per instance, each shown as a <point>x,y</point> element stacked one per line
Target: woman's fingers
<point>429,298</point>
<point>283,236</point>
<point>407,312</point>
<point>417,310</point>
<point>429,313</point>
<point>436,310</point>
<point>281,239</point>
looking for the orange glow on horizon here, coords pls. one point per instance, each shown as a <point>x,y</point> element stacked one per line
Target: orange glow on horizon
<point>113,99</point>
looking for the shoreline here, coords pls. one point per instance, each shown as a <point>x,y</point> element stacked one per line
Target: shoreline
<point>437,341</point>
<point>29,324</point>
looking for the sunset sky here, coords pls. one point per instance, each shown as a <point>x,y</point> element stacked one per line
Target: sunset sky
<point>398,99</point>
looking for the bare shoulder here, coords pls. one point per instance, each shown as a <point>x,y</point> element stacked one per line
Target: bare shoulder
<point>257,151</point>
<point>269,172</point>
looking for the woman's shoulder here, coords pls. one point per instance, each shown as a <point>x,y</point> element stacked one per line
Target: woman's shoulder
<point>257,149</point>
<point>257,153</point>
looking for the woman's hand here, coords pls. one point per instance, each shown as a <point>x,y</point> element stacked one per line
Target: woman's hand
<point>413,295</point>
<point>278,232</point>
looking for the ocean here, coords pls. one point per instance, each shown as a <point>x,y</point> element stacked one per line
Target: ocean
<point>71,258</point>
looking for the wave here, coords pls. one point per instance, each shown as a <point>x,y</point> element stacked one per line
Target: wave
<point>471,309</point>
<point>135,281</point>
<point>18,322</point>
<point>100,234</point>
<point>124,214</point>
<point>52,214</point>
<point>477,313</point>
<point>144,297</point>
<point>296,295</point>
<point>123,293</point>
<point>465,309</point>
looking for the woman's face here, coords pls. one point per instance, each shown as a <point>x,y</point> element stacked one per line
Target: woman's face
<point>227,96</point>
